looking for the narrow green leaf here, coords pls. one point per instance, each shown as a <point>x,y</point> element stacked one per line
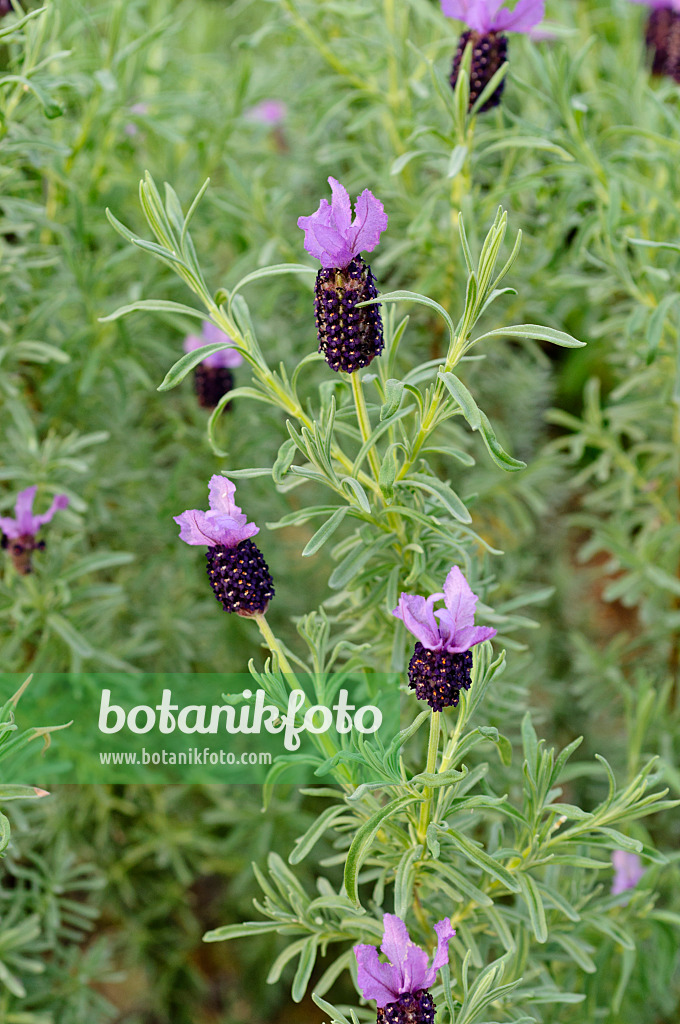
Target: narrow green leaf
<point>363,840</point>
<point>476,855</point>
<point>535,332</point>
<point>325,531</point>
<point>532,898</point>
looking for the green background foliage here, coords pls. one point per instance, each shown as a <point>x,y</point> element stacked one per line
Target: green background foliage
<point>106,892</point>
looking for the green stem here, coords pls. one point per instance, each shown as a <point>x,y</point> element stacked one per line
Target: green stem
<point>274,645</point>
<point>364,422</point>
<point>428,793</point>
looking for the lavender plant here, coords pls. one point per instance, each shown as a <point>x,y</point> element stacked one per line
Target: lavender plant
<point>581,150</point>
<point>417,834</point>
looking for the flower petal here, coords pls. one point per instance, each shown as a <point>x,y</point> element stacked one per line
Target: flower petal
<point>214,335</point>
<point>341,207</point>
<point>23,510</point>
<point>322,216</point>
<point>369,223</point>
<point>196,528</point>
<point>408,959</point>
<point>193,342</point>
<point>441,957</point>
<point>525,15</point>
<point>222,495</point>
<point>376,980</point>
<point>459,599</point>
<point>59,502</point>
<point>470,636</point>
<point>417,615</point>
<point>9,527</point>
<point>335,248</point>
<point>473,13</point>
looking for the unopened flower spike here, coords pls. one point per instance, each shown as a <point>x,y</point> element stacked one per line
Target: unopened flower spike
<point>19,533</point>
<point>662,36</point>
<point>628,871</point>
<point>401,987</point>
<point>213,377</point>
<point>488,21</point>
<point>442,660</point>
<point>348,337</point>
<point>236,567</point>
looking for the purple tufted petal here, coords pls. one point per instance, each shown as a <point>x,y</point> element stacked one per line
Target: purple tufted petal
<point>23,510</point>
<point>212,335</point>
<point>59,502</point>
<point>628,871</point>
<point>417,615</point>
<point>407,970</point>
<point>525,15</point>
<point>330,234</point>
<point>223,524</point>
<point>486,16</point>
<point>474,13</point>
<point>375,979</point>
<point>459,599</point>
<point>369,223</point>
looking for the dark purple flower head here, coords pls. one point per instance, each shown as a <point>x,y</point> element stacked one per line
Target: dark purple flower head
<point>267,112</point>
<point>455,632</point>
<point>25,524</point>
<point>407,971</point>
<point>659,5</point>
<point>628,871</point>
<point>212,335</point>
<point>224,524</point>
<point>331,235</point>
<point>486,16</point>
<point>238,573</point>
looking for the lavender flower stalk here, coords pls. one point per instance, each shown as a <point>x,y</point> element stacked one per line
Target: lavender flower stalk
<point>213,377</point>
<point>488,22</point>
<point>236,567</point>
<point>348,337</point>
<point>662,36</point>
<point>442,661</point>
<point>19,533</point>
<point>400,987</point>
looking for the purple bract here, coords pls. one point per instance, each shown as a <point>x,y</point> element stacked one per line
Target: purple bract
<point>25,524</point>
<point>331,235</point>
<point>455,632</point>
<point>628,871</point>
<point>486,16</point>
<point>407,970</point>
<point>224,524</point>
<point>212,335</point>
<point>267,112</point>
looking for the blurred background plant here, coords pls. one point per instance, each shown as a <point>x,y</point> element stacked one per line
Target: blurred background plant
<point>583,154</point>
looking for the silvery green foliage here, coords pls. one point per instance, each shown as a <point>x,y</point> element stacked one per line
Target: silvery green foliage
<point>517,869</point>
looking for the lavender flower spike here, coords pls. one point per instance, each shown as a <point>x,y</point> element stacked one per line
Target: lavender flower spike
<point>349,337</point>
<point>488,21</point>
<point>400,987</point>
<point>628,871</point>
<point>441,663</point>
<point>236,568</point>
<point>212,376</point>
<point>662,36</point>
<point>19,533</point>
